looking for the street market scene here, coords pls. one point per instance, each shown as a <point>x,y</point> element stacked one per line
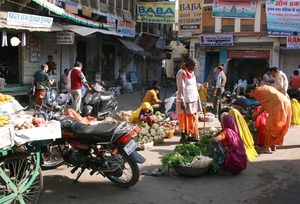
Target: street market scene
<point>186,101</point>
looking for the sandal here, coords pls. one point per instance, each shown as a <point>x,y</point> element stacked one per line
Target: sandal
<point>267,151</point>
<point>273,148</point>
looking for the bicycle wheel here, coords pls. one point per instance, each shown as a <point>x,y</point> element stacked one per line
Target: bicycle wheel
<point>21,179</point>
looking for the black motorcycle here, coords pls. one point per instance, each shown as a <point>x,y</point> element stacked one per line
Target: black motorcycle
<point>241,103</point>
<point>98,102</point>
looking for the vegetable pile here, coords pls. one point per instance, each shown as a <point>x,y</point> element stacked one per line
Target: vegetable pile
<point>149,134</point>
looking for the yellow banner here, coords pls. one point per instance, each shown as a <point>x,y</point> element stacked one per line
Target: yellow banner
<point>190,16</point>
<point>156,12</point>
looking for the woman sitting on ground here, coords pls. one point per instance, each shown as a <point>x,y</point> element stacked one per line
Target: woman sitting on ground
<point>144,114</point>
<point>235,159</point>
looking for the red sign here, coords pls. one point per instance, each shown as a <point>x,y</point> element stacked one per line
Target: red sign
<point>256,54</point>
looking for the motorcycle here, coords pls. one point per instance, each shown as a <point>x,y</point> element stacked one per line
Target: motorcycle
<point>99,102</point>
<point>105,149</point>
<point>241,103</point>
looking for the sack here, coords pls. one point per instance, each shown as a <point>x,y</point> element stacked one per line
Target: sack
<point>31,90</point>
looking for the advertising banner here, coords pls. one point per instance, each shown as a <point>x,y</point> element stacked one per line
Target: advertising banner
<point>283,17</point>
<point>256,54</point>
<point>190,16</point>
<point>234,9</point>
<point>293,42</point>
<point>23,19</point>
<point>156,12</point>
<point>216,40</point>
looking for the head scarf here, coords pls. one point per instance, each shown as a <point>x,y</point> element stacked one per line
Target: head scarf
<point>229,122</point>
<point>186,73</point>
<point>136,113</point>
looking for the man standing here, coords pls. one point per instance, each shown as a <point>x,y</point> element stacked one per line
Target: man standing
<point>51,64</point>
<point>295,80</point>
<point>281,81</point>
<point>188,102</point>
<point>219,89</point>
<point>41,80</point>
<point>75,80</point>
<point>268,79</point>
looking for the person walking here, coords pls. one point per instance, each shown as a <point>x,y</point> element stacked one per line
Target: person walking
<point>281,81</point>
<point>64,81</point>
<point>188,102</point>
<point>219,89</point>
<point>75,80</point>
<point>279,112</point>
<point>41,81</point>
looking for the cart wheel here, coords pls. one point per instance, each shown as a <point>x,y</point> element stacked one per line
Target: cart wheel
<point>25,180</point>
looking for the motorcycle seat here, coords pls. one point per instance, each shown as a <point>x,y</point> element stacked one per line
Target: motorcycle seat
<point>106,96</point>
<point>89,134</point>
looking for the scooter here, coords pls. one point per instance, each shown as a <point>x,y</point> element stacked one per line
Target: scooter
<point>98,102</point>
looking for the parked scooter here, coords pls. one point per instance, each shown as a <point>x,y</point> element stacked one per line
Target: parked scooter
<point>99,102</point>
<point>241,103</point>
<point>105,149</point>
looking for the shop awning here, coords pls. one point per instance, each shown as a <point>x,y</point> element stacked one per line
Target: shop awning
<point>131,45</point>
<point>84,31</point>
<point>55,27</point>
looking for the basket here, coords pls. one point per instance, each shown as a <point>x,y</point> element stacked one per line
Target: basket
<point>158,141</point>
<point>169,133</point>
<point>190,171</point>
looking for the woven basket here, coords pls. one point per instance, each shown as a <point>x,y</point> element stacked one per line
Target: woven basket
<point>158,141</point>
<point>169,133</point>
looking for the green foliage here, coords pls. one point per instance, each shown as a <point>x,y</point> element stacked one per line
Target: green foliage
<point>206,138</point>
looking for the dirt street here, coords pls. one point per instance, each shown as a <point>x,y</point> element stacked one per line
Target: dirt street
<point>271,178</point>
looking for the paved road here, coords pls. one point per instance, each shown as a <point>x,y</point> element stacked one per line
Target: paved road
<point>271,178</point>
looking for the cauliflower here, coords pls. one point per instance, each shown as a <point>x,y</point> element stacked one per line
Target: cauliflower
<point>153,132</point>
<point>213,130</point>
<point>155,125</point>
<point>144,131</point>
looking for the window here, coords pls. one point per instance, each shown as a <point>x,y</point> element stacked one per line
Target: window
<point>207,19</point>
<point>138,27</point>
<point>208,29</point>
<point>263,18</point>
<point>125,4</point>
<point>247,25</point>
<point>119,3</point>
<point>104,1</point>
<point>228,28</point>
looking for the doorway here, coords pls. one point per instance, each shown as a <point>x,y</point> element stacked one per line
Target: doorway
<point>108,66</point>
<point>81,54</point>
<point>9,63</point>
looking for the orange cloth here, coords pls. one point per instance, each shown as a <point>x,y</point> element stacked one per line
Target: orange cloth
<point>151,97</point>
<point>74,114</point>
<point>278,106</point>
<point>295,82</point>
<point>188,123</point>
<point>39,96</point>
<point>223,136</point>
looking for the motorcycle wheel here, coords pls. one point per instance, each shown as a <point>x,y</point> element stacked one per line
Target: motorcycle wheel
<point>20,168</point>
<point>222,112</point>
<point>52,158</point>
<point>130,171</point>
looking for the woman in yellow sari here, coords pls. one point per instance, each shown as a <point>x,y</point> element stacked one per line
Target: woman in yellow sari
<point>278,107</point>
<point>295,112</point>
<point>143,114</point>
<point>245,134</point>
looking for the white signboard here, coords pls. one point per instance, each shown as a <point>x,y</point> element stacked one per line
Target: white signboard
<point>28,20</point>
<point>64,38</point>
<point>192,50</point>
<point>293,42</point>
<point>216,40</point>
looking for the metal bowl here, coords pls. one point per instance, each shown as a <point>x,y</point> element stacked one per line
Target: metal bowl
<point>190,171</point>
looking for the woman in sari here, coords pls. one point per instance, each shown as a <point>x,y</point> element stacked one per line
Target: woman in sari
<point>245,134</point>
<point>143,114</point>
<point>188,102</point>
<point>278,107</point>
<point>235,159</point>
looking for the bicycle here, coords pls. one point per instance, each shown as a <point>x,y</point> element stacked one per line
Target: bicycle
<point>21,179</point>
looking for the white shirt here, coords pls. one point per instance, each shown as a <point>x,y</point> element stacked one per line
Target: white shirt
<point>242,83</point>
